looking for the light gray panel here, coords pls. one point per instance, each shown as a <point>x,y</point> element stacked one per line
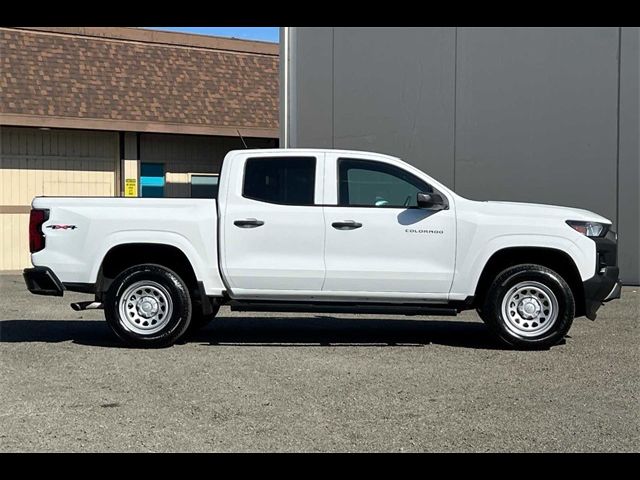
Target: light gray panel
<point>629,174</point>
<point>536,116</point>
<point>311,80</point>
<point>394,94</point>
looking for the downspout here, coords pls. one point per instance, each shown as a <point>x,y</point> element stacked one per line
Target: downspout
<point>284,87</point>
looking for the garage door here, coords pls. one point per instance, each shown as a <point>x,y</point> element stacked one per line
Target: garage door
<point>53,163</point>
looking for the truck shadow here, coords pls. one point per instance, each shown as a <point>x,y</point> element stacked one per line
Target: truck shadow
<point>337,332</point>
<point>319,331</point>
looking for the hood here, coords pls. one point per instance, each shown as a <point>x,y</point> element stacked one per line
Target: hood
<point>541,210</point>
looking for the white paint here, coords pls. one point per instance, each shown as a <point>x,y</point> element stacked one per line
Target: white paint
<point>287,252</point>
<point>296,254</point>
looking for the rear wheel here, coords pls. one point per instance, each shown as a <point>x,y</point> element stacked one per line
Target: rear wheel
<point>529,306</point>
<point>148,306</point>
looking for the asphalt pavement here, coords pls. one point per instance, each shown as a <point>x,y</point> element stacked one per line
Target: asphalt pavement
<point>305,382</point>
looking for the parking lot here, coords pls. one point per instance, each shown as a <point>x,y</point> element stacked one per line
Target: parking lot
<point>305,382</point>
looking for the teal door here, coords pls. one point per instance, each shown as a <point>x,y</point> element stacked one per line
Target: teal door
<point>152,180</point>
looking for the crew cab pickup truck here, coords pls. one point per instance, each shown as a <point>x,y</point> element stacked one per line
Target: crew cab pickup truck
<point>310,230</point>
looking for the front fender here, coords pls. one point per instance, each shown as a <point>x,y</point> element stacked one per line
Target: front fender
<point>470,264</point>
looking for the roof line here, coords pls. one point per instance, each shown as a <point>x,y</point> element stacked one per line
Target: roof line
<point>147,126</point>
<point>163,38</point>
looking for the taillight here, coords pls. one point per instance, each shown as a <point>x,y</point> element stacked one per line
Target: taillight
<point>36,237</point>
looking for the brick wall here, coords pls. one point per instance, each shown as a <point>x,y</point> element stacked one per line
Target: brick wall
<point>61,75</point>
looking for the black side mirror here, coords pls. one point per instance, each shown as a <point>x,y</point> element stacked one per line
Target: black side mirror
<point>432,201</point>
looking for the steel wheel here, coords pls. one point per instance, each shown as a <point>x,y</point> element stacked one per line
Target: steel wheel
<point>529,309</point>
<point>145,307</point>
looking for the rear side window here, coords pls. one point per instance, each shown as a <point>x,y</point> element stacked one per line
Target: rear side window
<point>282,180</point>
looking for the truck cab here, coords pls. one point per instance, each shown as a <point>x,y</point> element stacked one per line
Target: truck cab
<point>335,225</point>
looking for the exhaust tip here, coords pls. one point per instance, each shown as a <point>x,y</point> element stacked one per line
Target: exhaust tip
<point>77,306</point>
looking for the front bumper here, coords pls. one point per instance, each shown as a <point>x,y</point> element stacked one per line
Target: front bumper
<point>602,287</point>
<point>605,285</point>
<point>42,281</point>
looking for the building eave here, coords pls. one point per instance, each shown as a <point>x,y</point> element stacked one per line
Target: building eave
<point>48,121</point>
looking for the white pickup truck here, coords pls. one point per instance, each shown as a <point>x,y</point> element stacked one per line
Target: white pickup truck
<point>314,230</point>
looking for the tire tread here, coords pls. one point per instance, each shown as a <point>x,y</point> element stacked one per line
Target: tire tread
<point>180,297</point>
<point>492,310</point>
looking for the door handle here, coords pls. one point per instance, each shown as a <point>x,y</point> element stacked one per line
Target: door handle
<point>248,223</point>
<point>346,225</point>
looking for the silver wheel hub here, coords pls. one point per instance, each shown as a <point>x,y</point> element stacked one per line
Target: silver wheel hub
<point>145,307</point>
<point>529,309</point>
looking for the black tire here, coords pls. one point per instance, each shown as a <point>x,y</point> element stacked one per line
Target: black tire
<point>509,332</point>
<point>174,293</point>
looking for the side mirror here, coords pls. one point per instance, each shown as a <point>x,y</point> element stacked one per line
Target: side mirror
<point>433,201</point>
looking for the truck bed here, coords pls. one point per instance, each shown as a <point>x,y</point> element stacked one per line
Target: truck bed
<point>81,230</point>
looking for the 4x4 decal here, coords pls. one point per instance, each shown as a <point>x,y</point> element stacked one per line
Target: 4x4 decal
<point>62,227</point>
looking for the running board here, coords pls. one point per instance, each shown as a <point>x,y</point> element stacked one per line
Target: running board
<point>389,309</point>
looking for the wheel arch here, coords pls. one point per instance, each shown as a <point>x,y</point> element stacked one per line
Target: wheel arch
<point>555,259</point>
<point>125,255</point>
<point>197,253</point>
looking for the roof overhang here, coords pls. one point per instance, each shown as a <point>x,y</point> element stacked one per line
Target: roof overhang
<point>47,121</point>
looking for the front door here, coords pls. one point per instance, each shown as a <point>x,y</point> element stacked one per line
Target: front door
<point>274,226</point>
<point>377,240</point>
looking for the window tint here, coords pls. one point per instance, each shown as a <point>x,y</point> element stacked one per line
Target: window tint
<point>204,186</point>
<point>375,184</point>
<point>283,180</point>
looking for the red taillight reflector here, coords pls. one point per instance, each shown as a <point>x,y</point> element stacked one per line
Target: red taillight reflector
<point>36,237</point>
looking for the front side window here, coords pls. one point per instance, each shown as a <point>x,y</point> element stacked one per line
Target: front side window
<point>366,183</point>
<point>281,180</point>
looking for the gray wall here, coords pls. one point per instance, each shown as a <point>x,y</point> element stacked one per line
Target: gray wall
<point>547,115</point>
<point>629,164</point>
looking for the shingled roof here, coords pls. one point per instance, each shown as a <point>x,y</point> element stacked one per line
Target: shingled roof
<point>138,80</point>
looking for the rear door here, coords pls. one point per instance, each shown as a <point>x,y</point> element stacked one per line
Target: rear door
<point>378,242</point>
<point>273,225</point>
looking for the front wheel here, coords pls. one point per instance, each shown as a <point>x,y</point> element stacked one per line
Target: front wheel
<point>148,306</point>
<point>529,307</point>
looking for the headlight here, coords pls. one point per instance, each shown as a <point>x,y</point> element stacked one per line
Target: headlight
<point>590,229</point>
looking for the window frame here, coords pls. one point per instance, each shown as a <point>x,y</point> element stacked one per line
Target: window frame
<point>277,157</point>
<point>378,162</point>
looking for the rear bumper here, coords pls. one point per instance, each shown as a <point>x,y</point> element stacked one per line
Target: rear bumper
<point>42,281</point>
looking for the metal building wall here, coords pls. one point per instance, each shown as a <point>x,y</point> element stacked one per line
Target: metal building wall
<point>35,162</point>
<point>629,157</point>
<point>546,115</point>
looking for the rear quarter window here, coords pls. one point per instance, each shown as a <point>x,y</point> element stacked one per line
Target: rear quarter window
<point>280,180</point>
